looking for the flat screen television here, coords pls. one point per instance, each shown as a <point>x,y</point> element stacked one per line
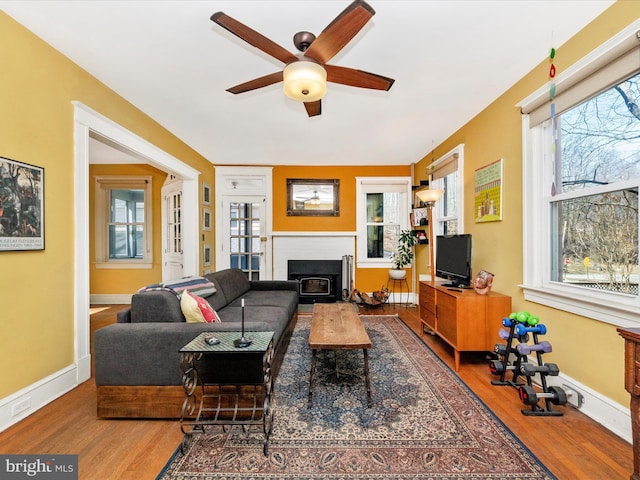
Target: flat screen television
<point>453,259</point>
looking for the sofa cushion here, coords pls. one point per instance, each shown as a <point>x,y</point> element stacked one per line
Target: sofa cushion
<point>275,317</point>
<point>156,306</point>
<point>286,299</point>
<point>232,282</point>
<point>196,309</point>
<point>217,300</point>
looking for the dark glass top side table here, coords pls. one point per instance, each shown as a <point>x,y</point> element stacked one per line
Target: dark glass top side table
<point>224,403</point>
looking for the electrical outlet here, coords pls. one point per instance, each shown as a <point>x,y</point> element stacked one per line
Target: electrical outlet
<point>21,406</point>
<point>574,397</point>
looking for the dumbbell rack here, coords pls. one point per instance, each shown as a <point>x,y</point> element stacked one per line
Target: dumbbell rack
<point>519,331</point>
<point>550,395</point>
<point>504,351</point>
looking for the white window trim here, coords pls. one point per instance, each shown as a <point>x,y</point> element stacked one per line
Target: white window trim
<point>363,184</point>
<point>102,213</point>
<point>613,308</point>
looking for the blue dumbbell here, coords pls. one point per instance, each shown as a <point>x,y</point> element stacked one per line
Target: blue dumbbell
<point>540,329</point>
<point>507,322</point>
<point>526,349</point>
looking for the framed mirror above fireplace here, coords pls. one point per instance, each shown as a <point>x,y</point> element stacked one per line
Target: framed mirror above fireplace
<point>313,197</point>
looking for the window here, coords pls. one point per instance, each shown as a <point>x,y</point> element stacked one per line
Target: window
<point>594,213</point>
<point>581,181</point>
<point>123,220</point>
<point>382,213</point>
<point>126,224</point>
<point>444,174</point>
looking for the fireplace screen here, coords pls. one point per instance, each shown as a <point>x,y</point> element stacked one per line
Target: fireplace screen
<point>315,286</point>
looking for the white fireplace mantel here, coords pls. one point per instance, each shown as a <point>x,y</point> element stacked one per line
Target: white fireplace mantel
<point>309,246</point>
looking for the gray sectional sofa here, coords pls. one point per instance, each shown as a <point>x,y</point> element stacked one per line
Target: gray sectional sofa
<point>136,360</point>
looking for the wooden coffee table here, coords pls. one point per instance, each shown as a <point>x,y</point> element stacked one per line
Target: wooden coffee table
<point>337,326</point>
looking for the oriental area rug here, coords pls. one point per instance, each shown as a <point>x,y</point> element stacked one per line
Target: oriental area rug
<point>424,422</point>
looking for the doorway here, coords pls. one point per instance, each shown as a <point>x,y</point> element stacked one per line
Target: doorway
<point>243,220</point>
<point>87,123</point>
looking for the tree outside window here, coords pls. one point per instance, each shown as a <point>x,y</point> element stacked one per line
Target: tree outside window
<point>594,201</point>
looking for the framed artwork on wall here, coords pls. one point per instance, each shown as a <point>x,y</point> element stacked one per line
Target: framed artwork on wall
<point>206,219</point>
<point>313,197</point>
<point>420,216</point>
<point>21,206</point>
<point>206,194</point>
<point>206,257</point>
<point>488,192</point>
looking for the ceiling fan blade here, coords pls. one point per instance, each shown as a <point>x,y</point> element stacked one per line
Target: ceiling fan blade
<point>340,31</point>
<point>257,83</point>
<point>253,38</point>
<point>313,108</point>
<point>357,78</point>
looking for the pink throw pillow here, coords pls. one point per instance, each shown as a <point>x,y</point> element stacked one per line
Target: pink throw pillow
<point>196,309</point>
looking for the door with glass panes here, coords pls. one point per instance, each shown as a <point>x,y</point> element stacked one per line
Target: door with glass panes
<point>172,254</point>
<point>245,240</point>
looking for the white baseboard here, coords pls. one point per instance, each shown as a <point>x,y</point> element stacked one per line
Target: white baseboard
<point>84,369</point>
<point>609,414</point>
<point>23,403</point>
<point>110,298</point>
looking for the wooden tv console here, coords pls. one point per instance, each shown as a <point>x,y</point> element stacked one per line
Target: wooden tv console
<point>462,318</point>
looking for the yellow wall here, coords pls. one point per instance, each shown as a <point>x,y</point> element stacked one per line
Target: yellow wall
<point>589,351</point>
<point>37,86</point>
<point>367,279</point>
<point>117,281</point>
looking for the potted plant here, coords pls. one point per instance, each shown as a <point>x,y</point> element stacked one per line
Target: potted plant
<point>403,254</point>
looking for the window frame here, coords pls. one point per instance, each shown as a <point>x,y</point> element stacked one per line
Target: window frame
<point>614,308</point>
<point>104,185</point>
<point>439,218</point>
<point>366,185</point>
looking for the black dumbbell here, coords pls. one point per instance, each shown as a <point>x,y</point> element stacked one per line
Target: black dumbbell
<point>529,396</point>
<point>528,369</point>
<point>500,349</point>
<point>497,367</point>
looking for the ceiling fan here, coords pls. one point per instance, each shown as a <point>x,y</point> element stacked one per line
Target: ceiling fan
<point>313,200</point>
<point>305,75</point>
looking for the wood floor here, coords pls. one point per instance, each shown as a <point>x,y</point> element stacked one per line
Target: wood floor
<point>571,446</point>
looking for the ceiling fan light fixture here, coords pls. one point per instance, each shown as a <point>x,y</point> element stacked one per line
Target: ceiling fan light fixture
<point>305,81</point>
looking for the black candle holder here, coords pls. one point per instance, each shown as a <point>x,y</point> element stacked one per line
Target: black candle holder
<point>242,342</point>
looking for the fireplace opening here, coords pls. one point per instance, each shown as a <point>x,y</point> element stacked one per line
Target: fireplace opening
<point>315,286</point>
<point>318,280</point>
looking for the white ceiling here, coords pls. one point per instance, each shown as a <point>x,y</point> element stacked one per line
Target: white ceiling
<point>450,59</point>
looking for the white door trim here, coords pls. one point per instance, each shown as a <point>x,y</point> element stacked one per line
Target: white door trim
<point>87,120</point>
